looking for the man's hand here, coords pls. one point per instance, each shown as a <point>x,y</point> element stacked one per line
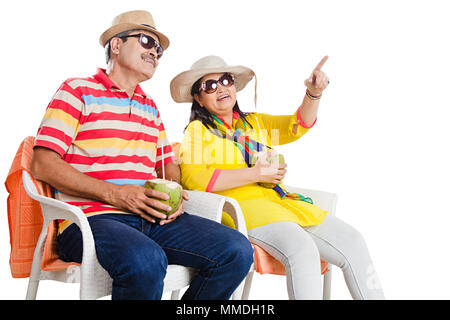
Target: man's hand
<point>177,213</point>
<point>48,166</point>
<point>140,200</point>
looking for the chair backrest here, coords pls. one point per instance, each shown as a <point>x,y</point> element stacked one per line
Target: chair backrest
<point>28,184</point>
<point>25,217</point>
<point>176,149</point>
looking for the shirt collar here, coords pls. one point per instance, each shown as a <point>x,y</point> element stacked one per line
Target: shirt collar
<point>233,120</point>
<point>103,78</point>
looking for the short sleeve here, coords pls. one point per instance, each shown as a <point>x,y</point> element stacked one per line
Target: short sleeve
<point>61,120</point>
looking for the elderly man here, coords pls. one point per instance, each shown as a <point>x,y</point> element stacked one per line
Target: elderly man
<point>101,138</point>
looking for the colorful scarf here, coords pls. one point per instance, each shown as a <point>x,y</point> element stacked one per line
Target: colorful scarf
<point>249,148</point>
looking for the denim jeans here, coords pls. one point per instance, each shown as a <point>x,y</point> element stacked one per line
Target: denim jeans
<point>136,253</point>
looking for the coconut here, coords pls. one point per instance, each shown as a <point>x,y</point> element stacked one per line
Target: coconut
<point>272,158</point>
<point>171,188</point>
<point>275,158</point>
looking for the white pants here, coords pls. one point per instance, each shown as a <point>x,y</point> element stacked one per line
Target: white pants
<point>300,249</point>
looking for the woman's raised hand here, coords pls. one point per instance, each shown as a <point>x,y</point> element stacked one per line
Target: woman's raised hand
<point>318,80</point>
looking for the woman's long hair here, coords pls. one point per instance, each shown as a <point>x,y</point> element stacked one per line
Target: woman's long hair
<point>202,114</point>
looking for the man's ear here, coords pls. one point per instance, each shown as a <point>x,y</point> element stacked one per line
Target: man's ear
<point>197,98</point>
<point>115,45</point>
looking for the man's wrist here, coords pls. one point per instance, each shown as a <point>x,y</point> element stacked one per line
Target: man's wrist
<point>109,195</point>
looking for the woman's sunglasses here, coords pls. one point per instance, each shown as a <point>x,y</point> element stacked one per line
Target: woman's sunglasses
<point>147,43</point>
<point>210,86</point>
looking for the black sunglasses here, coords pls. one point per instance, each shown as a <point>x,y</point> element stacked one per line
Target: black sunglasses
<point>210,86</point>
<point>147,42</point>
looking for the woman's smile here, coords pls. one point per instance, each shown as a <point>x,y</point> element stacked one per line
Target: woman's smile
<point>223,97</point>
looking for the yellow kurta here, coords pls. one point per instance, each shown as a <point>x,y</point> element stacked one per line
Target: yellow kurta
<point>203,155</point>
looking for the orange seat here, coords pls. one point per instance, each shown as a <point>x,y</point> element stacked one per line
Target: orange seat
<point>266,264</point>
<point>25,218</point>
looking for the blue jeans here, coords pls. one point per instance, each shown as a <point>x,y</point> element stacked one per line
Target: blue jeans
<point>136,253</point>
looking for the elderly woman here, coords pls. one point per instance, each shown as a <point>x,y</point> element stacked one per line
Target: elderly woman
<point>227,151</point>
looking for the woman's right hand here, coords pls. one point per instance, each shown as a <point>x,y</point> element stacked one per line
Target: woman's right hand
<point>264,171</point>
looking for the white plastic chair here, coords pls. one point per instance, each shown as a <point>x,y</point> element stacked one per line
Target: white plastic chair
<point>324,200</point>
<point>94,281</point>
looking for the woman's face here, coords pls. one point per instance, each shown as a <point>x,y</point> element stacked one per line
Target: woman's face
<point>220,102</point>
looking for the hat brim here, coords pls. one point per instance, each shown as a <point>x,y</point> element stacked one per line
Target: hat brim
<point>180,86</point>
<point>122,27</point>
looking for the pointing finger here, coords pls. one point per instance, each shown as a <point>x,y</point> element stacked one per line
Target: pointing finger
<point>321,63</point>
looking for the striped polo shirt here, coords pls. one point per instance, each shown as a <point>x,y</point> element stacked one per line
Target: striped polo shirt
<point>101,132</point>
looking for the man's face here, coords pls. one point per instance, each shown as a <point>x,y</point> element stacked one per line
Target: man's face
<point>133,57</point>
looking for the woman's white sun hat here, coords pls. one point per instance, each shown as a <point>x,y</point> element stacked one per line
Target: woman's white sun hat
<point>180,86</point>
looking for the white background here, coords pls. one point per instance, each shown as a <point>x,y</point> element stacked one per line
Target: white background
<point>380,141</point>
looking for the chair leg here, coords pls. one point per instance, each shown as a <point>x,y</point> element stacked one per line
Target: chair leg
<point>327,284</point>
<point>243,290</point>
<point>35,273</point>
<point>175,295</point>
<point>237,294</point>
<point>32,289</point>
<point>247,286</point>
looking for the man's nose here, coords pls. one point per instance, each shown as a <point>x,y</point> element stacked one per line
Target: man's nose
<point>152,52</point>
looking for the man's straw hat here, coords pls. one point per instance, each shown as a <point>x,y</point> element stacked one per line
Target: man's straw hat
<point>131,20</point>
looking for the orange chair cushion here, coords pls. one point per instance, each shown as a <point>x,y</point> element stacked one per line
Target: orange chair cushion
<point>266,264</point>
<point>25,218</point>
<point>176,149</point>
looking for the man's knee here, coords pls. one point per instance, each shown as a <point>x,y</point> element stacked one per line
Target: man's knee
<point>240,252</point>
<point>144,263</point>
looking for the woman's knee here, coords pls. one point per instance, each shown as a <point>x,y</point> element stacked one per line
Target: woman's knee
<point>303,251</point>
<point>287,242</point>
<point>351,241</point>
<point>340,243</point>
<point>357,240</point>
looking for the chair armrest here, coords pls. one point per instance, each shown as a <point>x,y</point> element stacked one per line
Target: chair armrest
<point>325,200</point>
<point>210,205</point>
<point>231,206</point>
<point>53,209</point>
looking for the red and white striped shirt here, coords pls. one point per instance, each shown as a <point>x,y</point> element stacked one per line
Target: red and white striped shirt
<point>101,132</point>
